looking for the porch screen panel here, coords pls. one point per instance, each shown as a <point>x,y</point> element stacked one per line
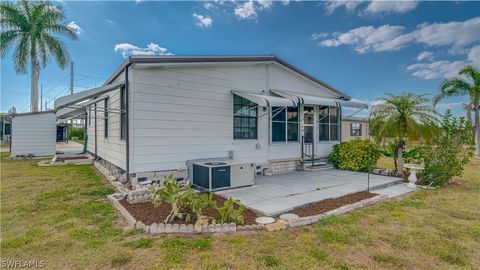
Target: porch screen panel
<point>334,123</point>
<point>328,123</point>
<point>323,121</point>
<point>244,118</point>
<point>284,124</point>
<point>279,124</point>
<point>292,124</point>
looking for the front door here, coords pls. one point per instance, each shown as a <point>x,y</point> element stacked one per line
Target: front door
<point>308,129</point>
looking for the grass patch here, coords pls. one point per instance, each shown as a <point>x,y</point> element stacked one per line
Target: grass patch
<point>389,259</point>
<point>269,260</point>
<point>140,243</point>
<point>61,215</point>
<point>175,248</point>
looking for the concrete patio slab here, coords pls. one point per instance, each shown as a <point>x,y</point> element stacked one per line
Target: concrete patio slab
<point>281,193</point>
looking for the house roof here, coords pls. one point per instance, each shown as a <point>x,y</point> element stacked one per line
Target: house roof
<point>355,118</point>
<point>167,59</point>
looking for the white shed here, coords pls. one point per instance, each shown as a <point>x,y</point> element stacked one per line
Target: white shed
<point>34,134</point>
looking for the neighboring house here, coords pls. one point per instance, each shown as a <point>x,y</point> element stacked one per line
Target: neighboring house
<point>355,127</point>
<point>156,113</point>
<point>5,129</point>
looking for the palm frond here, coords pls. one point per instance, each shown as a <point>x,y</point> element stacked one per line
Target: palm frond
<point>21,55</point>
<point>57,49</point>
<point>7,38</point>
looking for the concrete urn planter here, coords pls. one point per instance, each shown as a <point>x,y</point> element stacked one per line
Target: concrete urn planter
<point>412,178</point>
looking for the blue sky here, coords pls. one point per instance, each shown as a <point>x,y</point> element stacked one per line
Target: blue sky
<point>365,49</point>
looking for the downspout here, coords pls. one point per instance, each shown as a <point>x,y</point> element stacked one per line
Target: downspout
<point>340,120</point>
<point>127,125</point>
<point>95,108</point>
<point>85,135</point>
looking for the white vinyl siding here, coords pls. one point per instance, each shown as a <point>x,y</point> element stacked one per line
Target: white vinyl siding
<point>34,134</point>
<point>183,113</point>
<point>109,148</point>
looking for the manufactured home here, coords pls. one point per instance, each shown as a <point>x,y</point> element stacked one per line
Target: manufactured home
<point>354,127</point>
<point>155,115</point>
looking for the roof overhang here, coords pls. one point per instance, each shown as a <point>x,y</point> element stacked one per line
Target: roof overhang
<point>67,101</point>
<point>266,101</point>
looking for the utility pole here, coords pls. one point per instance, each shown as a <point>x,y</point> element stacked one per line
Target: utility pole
<point>71,78</point>
<point>41,97</point>
<point>71,87</point>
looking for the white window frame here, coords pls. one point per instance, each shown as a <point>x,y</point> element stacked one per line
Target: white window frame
<point>329,125</point>
<point>286,141</point>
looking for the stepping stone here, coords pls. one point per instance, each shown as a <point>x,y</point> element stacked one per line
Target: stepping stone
<point>264,220</point>
<point>289,216</point>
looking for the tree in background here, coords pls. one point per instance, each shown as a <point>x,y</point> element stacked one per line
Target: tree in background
<point>467,85</point>
<point>31,27</point>
<point>403,116</point>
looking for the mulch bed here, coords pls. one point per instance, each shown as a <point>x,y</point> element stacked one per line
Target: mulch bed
<point>61,159</point>
<point>331,204</point>
<point>149,214</point>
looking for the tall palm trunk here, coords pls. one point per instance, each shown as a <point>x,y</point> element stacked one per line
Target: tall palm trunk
<point>34,84</point>
<point>477,130</point>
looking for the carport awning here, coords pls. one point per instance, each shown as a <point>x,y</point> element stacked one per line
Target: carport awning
<point>69,100</point>
<point>315,100</point>
<point>266,101</point>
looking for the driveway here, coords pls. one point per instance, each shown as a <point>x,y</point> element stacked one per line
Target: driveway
<point>69,148</point>
<point>281,193</point>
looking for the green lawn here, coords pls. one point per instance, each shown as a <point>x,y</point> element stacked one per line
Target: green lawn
<point>60,215</point>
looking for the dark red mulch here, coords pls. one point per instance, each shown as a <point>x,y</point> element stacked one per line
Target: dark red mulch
<point>148,213</point>
<point>331,204</point>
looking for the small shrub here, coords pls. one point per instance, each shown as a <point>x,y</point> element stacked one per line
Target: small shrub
<point>177,195</point>
<point>76,132</point>
<point>450,152</point>
<point>355,155</point>
<point>197,203</point>
<point>231,211</point>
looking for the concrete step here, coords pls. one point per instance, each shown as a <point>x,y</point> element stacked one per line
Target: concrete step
<point>386,185</point>
<point>317,168</point>
<point>393,191</point>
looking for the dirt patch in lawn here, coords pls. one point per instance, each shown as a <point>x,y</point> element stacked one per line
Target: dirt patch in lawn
<point>149,214</point>
<point>331,204</point>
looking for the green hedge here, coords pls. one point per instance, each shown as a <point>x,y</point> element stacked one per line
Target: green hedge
<point>355,155</point>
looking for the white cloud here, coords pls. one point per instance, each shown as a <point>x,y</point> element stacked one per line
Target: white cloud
<point>331,6</point>
<point>128,49</point>
<point>474,55</point>
<point>246,10</point>
<point>425,55</point>
<point>319,35</point>
<point>437,69</point>
<point>208,5</point>
<point>265,4</point>
<point>74,27</point>
<point>203,21</point>
<point>390,7</point>
<point>451,33</point>
<point>373,7</point>
<point>285,2</point>
<point>368,38</point>
<point>391,37</point>
<point>450,105</point>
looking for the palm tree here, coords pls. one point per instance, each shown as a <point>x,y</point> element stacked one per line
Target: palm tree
<point>467,85</point>
<point>30,27</point>
<point>404,116</point>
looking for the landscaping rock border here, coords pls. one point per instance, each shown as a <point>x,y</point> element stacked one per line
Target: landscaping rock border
<point>339,211</point>
<point>280,224</point>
